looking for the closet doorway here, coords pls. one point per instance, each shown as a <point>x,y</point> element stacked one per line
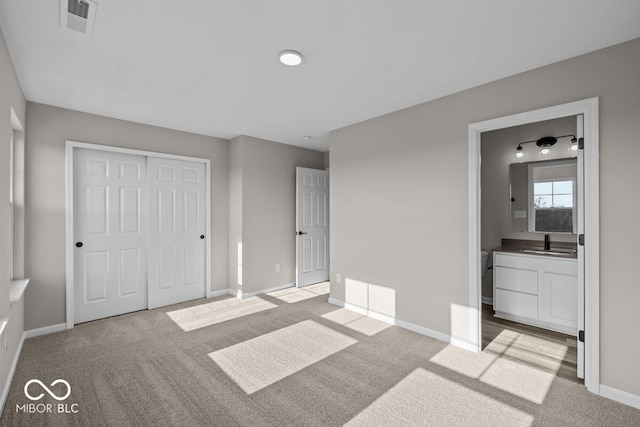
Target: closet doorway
<point>137,227</point>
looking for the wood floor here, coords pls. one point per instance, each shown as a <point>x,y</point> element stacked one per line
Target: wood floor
<point>540,348</point>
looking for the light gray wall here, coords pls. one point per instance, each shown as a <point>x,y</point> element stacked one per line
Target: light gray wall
<point>399,201</point>
<point>48,129</point>
<point>326,160</point>
<point>268,203</point>
<point>497,153</point>
<point>235,214</point>
<point>11,97</point>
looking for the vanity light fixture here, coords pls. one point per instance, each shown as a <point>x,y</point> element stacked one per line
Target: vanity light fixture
<point>545,143</point>
<point>290,57</point>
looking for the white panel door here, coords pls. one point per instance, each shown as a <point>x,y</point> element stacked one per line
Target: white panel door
<point>580,230</point>
<point>176,231</point>
<point>110,234</point>
<point>312,226</point>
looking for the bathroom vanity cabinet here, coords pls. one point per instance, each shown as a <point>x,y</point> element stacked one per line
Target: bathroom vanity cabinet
<point>538,290</point>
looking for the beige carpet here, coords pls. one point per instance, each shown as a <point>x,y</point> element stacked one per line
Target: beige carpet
<point>288,359</point>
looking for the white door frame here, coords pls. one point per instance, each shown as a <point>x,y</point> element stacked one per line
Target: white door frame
<point>69,147</point>
<point>589,109</point>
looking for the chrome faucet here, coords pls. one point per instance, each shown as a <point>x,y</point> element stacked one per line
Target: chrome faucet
<point>547,243</point>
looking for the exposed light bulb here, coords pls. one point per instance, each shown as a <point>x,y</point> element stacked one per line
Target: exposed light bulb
<point>519,152</point>
<point>574,146</point>
<point>545,151</point>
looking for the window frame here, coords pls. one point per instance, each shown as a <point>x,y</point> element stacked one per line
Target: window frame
<point>11,201</point>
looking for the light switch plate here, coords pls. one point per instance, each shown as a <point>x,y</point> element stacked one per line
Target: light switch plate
<point>519,214</point>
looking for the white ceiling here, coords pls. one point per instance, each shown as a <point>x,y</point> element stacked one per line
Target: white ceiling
<point>211,66</point>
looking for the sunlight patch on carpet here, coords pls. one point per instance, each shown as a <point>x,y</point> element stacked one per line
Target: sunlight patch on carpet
<point>424,398</point>
<point>520,380</point>
<point>203,315</point>
<point>293,295</point>
<point>463,361</point>
<point>267,359</point>
<point>355,321</point>
<point>319,288</point>
<point>522,365</point>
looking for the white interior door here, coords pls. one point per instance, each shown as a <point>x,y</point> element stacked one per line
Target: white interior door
<point>110,234</point>
<point>580,231</point>
<point>312,226</point>
<point>176,231</point>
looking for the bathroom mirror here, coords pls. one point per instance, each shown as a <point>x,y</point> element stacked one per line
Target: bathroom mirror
<point>543,196</point>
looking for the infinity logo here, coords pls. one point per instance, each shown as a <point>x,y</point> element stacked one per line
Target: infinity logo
<point>52,394</point>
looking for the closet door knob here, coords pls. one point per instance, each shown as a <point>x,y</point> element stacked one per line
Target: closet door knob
<point>78,244</point>
<point>202,236</point>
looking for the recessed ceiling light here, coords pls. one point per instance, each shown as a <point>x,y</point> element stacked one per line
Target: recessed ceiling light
<point>290,57</point>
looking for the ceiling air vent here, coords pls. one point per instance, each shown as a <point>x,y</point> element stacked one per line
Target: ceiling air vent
<point>78,15</point>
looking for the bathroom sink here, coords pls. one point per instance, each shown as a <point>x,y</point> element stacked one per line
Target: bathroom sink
<point>555,252</point>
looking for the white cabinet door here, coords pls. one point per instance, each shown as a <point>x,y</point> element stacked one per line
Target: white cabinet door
<point>312,226</point>
<point>110,234</point>
<point>558,299</point>
<point>176,231</point>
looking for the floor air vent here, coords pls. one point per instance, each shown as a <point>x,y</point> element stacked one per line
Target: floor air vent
<point>78,15</point>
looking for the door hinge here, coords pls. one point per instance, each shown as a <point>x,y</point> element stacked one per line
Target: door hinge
<point>581,336</point>
<point>581,143</point>
<point>581,239</point>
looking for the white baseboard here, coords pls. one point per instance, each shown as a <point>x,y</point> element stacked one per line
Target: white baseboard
<point>219,293</point>
<point>243,295</point>
<point>406,325</point>
<point>12,371</point>
<point>624,397</point>
<point>487,300</point>
<point>45,330</point>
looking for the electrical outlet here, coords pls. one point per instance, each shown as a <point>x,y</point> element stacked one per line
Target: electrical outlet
<point>338,277</point>
<point>277,268</point>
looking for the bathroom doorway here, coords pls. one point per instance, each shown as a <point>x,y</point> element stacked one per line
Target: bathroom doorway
<point>530,206</point>
<point>585,116</point>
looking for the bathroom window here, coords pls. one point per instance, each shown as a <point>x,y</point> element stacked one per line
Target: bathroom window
<point>553,205</point>
<point>553,194</point>
<point>552,197</point>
